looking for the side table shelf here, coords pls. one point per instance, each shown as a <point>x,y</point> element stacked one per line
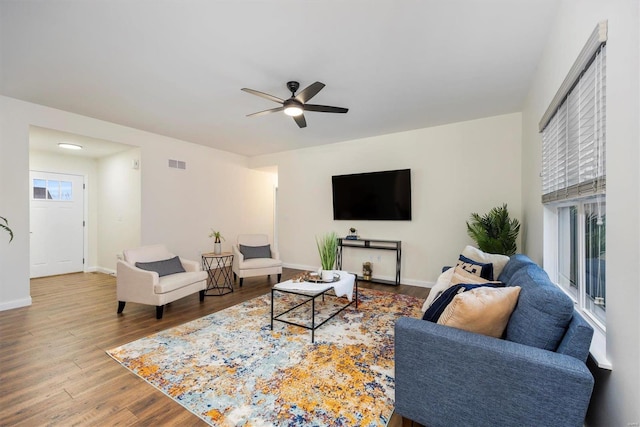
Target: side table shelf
<point>387,245</point>
<point>218,267</point>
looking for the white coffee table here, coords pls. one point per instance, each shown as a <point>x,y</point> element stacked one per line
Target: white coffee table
<point>345,284</point>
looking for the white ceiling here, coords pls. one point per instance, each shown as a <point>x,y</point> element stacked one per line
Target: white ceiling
<point>176,67</point>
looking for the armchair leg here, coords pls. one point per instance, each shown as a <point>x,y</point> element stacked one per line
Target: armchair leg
<point>279,277</point>
<point>202,295</point>
<point>241,279</point>
<point>121,306</point>
<point>159,310</point>
<point>235,276</point>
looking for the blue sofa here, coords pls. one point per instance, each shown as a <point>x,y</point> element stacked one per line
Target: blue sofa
<point>535,376</point>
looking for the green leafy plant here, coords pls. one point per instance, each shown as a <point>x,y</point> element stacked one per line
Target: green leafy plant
<point>217,235</point>
<point>495,232</point>
<point>327,248</point>
<point>5,227</point>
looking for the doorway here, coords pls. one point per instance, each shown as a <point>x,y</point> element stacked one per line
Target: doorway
<point>57,223</point>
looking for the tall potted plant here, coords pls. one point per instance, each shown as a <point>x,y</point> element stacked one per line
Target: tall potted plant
<point>495,232</point>
<point>327,248</point>
<point>4,224</point>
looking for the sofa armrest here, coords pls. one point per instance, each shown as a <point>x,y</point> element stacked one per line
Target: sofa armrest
<point>275,254</point>
<point>238,258</point>
<point>190,265</point>
<point>133,283</point>
<point>445,376</point>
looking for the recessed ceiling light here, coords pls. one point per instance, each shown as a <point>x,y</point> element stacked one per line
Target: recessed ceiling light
<point>69,146</point>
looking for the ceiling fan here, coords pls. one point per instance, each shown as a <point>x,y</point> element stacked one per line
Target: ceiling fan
<point>297,104</point>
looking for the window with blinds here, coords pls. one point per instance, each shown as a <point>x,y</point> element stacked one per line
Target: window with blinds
<point>573,132</point>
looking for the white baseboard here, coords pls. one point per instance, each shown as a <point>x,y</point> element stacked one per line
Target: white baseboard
<point>411,282</point>
<point>23,302</point>
<point>100,270</point>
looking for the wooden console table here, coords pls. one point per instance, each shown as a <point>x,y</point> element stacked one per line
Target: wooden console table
<point>387,245</point>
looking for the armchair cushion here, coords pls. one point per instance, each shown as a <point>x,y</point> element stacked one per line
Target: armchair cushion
<point>163,267</point>
<point>250,252</point>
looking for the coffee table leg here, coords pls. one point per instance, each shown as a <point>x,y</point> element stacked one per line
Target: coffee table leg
<point>272,309</point>
<point>313,318</point>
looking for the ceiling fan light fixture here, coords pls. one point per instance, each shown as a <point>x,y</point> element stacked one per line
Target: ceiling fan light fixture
<point>293,110</point>
<point>292,107</point>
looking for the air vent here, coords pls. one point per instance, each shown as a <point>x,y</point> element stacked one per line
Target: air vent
<point>177,164</point>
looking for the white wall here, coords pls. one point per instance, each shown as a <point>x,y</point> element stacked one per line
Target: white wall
<point>456,169</point>
<point>616,396</point>
<point>119,201</point>
<point>178,207</point>
<point>74,165</point>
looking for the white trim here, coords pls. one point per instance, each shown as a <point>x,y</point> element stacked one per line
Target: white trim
<point>16,303</point>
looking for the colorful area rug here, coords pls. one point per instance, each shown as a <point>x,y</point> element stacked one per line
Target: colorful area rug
<point>230,369</point>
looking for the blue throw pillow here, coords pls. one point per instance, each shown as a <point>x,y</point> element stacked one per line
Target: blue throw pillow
<point>440,304</point>
<point>255,251</point>
<point>484,270</point>
<point>163,267</point>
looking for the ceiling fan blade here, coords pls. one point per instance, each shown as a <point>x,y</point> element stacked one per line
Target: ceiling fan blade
<point>263,95</point>
<point>309,92</point>
<point>300,120</point>
<point>324,108</point>
<point>261,113</point>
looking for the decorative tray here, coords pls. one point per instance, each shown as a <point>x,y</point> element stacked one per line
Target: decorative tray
<point>312,277</point>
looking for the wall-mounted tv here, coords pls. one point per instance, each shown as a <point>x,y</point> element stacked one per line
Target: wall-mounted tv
<point>382,195</point>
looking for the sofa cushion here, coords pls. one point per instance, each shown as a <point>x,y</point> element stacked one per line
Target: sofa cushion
<point>482,269</point>
<point>250,252</point>
<point>543,310</point>
<point>498,261</point>
<point>163,267</point>
<point>516,262</point>
<point>483,310</point>
<point>176,281</point>
<point>260,263</point>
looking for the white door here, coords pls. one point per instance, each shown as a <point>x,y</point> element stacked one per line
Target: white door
<point>57,223</point>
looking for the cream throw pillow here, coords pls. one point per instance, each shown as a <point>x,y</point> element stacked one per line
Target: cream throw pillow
<point>452,276</point>
<point>498,261</point>
<point>483,310</point>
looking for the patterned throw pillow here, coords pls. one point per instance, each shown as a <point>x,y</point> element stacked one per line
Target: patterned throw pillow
<point>484,270</point>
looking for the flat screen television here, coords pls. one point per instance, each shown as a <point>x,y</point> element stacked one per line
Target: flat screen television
<point>382,195</point>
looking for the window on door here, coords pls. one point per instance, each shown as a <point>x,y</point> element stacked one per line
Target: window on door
<point>45,189</point>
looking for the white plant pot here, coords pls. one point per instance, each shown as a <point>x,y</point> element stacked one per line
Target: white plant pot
<point>217,248</point>
<point>327,275</point>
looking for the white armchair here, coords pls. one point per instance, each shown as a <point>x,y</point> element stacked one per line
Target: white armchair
<point>159,278</point>
<point>253,256</point>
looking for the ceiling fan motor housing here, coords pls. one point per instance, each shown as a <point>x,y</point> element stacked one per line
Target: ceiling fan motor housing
<point>293,87</point>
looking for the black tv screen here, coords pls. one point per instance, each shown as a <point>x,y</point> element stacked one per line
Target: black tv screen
<point>373,196</point>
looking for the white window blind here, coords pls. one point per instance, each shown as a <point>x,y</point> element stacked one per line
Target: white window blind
<point>573,130</point>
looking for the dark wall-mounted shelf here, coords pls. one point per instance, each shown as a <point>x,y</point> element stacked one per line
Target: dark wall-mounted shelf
<point>387,245</point>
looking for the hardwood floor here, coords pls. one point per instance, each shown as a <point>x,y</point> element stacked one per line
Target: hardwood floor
<point>53,365</point>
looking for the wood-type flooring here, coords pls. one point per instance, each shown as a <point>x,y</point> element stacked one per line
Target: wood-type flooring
<point>54,369</point>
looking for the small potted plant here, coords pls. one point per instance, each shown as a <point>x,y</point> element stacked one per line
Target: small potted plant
<point>327,248</point>
<point>5,227</point>
<point>217,245</point>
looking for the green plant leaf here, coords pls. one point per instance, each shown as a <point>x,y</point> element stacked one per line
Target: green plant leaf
<point>5,227</point>
<point>327,249</point>
<point>495,232</point>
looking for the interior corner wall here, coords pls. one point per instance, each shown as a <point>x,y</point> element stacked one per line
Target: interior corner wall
<point>178,207</point>
<point>119,200</point>
<point>456,169</point>
<point>88,168</point>
<point>616,394</point>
